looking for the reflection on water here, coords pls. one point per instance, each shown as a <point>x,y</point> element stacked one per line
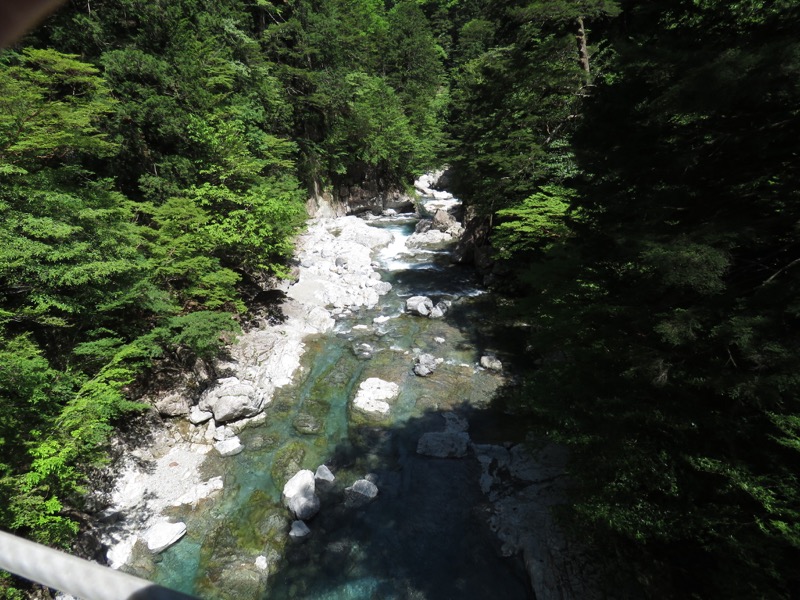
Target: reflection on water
<point>425,536</point>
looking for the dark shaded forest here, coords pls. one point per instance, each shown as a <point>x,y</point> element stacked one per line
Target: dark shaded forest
<point>631,174</point>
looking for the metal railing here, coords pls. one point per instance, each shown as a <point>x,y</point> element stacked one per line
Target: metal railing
<point>76,576</point>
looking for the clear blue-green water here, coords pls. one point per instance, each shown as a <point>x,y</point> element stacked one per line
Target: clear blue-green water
<point>425,535</point>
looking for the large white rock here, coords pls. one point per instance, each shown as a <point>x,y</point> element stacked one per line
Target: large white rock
<point>429,238</point>
<point>304,506</point>
<point>299,495</point>
<point>232,399</point>
<point>162,535</point>
<point>372,395</point>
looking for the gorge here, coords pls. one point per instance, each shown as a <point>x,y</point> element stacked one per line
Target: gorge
<point>451,470</point>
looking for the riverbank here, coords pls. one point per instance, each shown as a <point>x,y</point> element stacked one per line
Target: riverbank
<point>335,274</point>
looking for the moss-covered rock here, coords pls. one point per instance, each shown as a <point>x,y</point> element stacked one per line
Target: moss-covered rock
<point>288,461</point>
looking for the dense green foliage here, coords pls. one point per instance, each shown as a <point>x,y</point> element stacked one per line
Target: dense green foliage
<point>653,201</point>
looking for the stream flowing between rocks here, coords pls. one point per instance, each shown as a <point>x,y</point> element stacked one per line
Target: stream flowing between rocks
<point>433,452</point>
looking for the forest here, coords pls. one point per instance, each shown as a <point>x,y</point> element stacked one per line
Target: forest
<point>631,175</point>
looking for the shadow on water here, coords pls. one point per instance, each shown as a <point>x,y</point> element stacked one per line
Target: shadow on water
<point>425,536</point>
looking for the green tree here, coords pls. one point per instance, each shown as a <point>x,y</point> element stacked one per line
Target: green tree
<point>665,325</point>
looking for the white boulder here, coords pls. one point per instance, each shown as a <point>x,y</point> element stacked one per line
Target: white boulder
<point>162,535</point>
<point>425,364</point>
<point>232,399</point>
<point>491,362</point>
<point>372,395</point>
<point>419,305</point>
<point>229,447</point>
<point>324,476</point>
<point>197,416</point>
<point>299,495</point>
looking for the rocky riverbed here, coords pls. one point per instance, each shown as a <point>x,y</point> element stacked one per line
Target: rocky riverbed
<point>351,413</point>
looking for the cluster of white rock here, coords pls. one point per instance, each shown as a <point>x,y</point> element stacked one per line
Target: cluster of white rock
<point>336,258</point>
<point>300,496</point>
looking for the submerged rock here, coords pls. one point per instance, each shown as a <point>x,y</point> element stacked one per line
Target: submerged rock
<point>163,535</point>
<point>444,444</point>
<point>200,492</point>
<point>364,350</point>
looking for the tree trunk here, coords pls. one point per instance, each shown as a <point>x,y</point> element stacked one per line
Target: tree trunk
<point>583,48</point>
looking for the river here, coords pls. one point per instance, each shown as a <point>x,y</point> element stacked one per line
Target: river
<point>426,535</point>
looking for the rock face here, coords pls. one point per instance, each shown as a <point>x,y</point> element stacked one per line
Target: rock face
<point>162,535</point>
<point>443,444</point>
<point>300,497</point>
<point>524,487</point>
<point>368,196</point>
<point>174,404</point>
<point>372,396</point>
<point>360,493</point>
<point>425,364</point>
